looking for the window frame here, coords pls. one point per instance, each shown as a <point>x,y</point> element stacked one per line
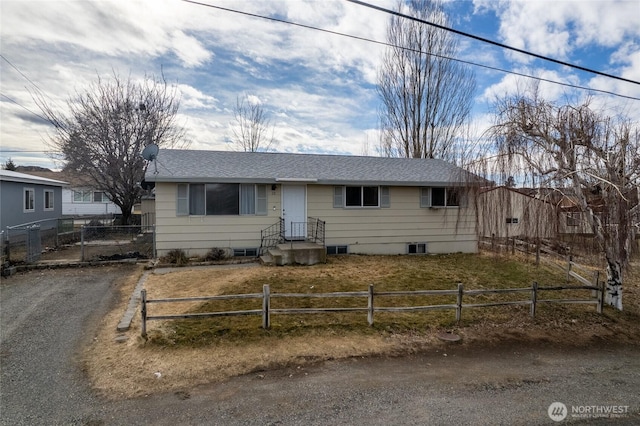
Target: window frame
<point>86,196</point>
<point>31,198</point>
<point>185,202</point>
<point>426,197</point>
<point>573,219</point>
<point>48,202</point>
<point>182,201</point>
<point>383,197</point>
<point>103,197</point>
<point>418,248</point>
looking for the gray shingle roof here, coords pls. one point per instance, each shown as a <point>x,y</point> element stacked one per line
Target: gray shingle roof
<point>11,176</point>
<point>261,167</point>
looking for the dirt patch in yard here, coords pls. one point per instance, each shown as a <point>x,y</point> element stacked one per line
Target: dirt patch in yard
<point>137,366</point>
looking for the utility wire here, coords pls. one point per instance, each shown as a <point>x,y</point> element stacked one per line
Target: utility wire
<point>20,72</point>
<point>253,15</point>
<point>38,90</point>
<point>23,107</point>
<point>495,43</point>
<point>21,151</point>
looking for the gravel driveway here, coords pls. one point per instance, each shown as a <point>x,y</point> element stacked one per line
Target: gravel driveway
<point>47,316</point>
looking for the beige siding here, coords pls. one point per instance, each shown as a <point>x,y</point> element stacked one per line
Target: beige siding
<point>364,230</point>
<point>198,234</point>
<point>389,230</point>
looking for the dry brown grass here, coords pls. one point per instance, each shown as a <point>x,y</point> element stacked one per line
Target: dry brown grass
<point>240,346</point>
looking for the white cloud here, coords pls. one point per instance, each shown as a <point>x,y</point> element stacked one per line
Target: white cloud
<point>192,98</point>
<point>189,49</point>
<point>253,100</point>
<point>556,28</point>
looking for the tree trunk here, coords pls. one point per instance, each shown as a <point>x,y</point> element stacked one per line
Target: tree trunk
<point>613,295</point>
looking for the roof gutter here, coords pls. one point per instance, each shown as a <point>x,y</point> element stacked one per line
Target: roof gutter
<point>301,180</point>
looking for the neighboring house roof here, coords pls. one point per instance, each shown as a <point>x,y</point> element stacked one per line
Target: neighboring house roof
<point>74,180</point>
<point>10,176</point>
<point>544,195</point>
<point>262,167</point>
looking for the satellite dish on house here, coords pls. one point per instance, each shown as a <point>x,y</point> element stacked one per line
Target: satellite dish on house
<point>150,153</point>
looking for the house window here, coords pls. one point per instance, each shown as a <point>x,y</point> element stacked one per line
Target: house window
<point>245,252</point>
<point>439,197</point>
<point>29,200</point>
<point>99,197</point>
<point>573,219</point>
<point>82,196</point>
<point>247,199</point>
<point>48,199</point>
<point>361,196</point>
<point>512,220</point>
<point>182,202</point>
<point>213,199</point>
<point>337,249</point>
<point>417,248</point>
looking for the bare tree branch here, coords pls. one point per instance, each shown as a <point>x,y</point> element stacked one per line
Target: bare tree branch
<point>589,156</point>
<point>426,97</point>
<point>251,126</point>
<point>105,128</point>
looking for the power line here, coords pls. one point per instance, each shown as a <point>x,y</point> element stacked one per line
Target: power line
<point>495,43</point>
<point>20,72</point>
<point>283,21</point>
<point>23,107</point>
<point>23,151</point>
<point>38,90</point>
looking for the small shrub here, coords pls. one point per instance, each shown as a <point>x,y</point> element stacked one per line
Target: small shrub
<point>176,257</point>
<point>215,254</point>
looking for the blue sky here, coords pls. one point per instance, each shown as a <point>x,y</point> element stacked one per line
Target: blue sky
<point>318,89</point>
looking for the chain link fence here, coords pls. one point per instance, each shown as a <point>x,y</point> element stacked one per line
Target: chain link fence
<point>76,240</point>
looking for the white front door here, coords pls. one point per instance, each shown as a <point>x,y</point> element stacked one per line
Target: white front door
<point>294,211</point>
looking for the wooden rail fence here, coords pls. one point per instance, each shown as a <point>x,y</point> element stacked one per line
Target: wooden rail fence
<point>533,301</point>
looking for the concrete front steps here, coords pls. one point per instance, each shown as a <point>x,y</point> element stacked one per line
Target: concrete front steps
<point>295,253</point>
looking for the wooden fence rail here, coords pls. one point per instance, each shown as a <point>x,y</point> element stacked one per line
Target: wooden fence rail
<point>533,301</point>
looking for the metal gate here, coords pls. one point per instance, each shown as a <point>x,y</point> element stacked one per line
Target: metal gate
<point>34,247</point>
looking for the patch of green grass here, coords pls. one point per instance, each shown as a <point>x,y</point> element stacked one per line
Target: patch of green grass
<point>355,273</point>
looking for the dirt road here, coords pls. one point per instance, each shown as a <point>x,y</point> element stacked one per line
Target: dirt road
<point>46,317</point>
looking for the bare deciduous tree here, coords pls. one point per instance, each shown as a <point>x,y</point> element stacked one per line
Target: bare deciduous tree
<point>104,130</point>
<point>251,126</point>
<point>426,96</point>
<point>592,157</point>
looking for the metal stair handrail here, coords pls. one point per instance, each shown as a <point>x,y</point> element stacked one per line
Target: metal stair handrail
<point>271,236</point>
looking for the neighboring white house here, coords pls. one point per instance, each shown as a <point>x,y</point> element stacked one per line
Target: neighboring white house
<point>79,198</point>
<point>372,205</point>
